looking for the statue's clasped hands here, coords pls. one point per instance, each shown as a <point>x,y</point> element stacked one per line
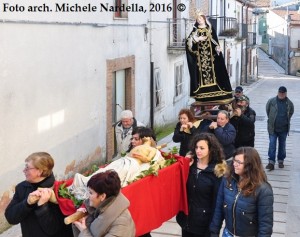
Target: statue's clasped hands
<point>199,38</point>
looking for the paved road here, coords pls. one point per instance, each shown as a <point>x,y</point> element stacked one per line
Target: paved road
<point>285,182</point>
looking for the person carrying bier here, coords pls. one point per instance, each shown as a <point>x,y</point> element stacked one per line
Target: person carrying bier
<point>32,204</point>
<point>185,129</point>
<point>206,169</point>
<point>107,209</point>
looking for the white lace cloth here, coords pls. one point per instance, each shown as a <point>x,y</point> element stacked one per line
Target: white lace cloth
<point>127,168</point>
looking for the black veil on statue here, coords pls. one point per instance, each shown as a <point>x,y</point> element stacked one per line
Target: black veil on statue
<point>209,80</point>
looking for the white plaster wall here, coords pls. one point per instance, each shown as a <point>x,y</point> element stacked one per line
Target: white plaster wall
<point>235,54</point>
<point>294,37</point>
<point>49,93</point>
<point>165,61</point>
<point>230,8</point>
<point>277,25</point>
<point>53,90</point>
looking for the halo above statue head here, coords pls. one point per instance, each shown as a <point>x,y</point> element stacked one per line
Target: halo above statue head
<point>198,13</point>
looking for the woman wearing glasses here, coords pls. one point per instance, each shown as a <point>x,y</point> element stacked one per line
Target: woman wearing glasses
<point>245,198</point>
<point>30,206</point>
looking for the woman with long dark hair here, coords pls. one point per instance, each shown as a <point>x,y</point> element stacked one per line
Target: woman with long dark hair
<point>245,198</point>
<point>207,168</point>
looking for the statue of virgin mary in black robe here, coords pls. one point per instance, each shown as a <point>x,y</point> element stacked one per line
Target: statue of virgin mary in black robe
<point>209,80</point>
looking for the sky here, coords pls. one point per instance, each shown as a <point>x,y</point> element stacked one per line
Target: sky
<point>281,1</point>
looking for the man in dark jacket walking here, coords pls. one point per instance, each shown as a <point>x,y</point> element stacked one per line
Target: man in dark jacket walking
<point>279,109</point>
<point>243,120</point>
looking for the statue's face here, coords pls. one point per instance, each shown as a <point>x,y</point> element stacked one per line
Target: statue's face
<point>201,20</point>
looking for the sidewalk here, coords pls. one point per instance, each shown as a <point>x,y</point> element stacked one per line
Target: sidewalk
<point>285,182</point>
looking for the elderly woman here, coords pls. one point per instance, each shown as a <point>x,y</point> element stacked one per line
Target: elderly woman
<point>30,206</point>
<point>107,208</point>
<point>224,131</point>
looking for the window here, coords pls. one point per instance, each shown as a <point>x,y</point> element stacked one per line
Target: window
<point>119,6</point>
<point>178,79</point>
<point>157,88</point>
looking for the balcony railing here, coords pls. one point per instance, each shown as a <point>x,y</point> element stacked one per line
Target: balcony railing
<point>179,29</point>
<point>225,26</point>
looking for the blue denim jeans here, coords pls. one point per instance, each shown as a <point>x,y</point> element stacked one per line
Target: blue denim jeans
<point>281,136</point>
<point>226,233</point>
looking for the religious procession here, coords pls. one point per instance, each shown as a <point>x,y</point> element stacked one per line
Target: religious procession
<point>94,169</point>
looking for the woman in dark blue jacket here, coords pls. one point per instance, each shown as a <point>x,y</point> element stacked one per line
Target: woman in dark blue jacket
<point>202,185</point>
<point>245,199</point>
<point>224,131</point>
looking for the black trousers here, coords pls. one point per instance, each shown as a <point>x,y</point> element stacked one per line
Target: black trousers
<point>146,235</point>
<point>188,234</point>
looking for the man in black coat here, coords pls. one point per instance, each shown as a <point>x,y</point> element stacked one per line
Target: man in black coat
<point>243,119</point>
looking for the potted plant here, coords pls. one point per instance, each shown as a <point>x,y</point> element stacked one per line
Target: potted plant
<point>229,32</point>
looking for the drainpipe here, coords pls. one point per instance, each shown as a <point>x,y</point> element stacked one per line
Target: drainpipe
<point>287,48</point>
<point>152,95</point>
<point>242,46</point>
<point>246,57</point>
<point>224,28</point>
<point>151,76</point>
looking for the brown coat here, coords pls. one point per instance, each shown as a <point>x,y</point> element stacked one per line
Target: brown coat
<point>111,218</point>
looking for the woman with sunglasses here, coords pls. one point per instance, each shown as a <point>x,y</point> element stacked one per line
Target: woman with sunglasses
<point>30,206</point>
<point>245,199</point>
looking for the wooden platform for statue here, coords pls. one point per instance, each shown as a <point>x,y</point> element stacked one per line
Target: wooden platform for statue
<point>209,110</point>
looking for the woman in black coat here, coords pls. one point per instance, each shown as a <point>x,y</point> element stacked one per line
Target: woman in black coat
<point>207,168</point>
<point>31,207</point>
<point>185,129</point>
